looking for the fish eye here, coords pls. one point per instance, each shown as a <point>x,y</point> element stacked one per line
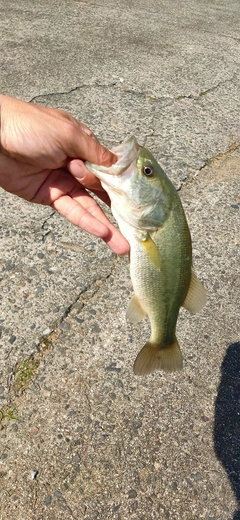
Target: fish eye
<point>148,171</point>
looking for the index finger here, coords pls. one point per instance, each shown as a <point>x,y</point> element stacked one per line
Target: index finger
<point>83,211</point>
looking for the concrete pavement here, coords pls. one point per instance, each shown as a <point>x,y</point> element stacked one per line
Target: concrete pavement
<point>82,437</point>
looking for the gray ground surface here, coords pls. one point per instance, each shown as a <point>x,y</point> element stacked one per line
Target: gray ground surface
<point>82,437</point>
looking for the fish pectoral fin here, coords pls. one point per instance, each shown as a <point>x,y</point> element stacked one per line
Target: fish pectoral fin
<point>134,312</point>
<point>196,296</point>
<point>156,357</point>
<point>151,251</point>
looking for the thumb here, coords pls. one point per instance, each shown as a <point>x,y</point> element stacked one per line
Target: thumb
<point>86,146</point>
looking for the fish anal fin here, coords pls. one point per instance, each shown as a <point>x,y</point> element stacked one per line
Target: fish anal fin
<point>196,296</point>
<point>134,312</point>
<point>153,357</point>
<point>152,251</point>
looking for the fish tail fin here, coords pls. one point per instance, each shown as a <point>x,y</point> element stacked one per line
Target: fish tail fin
<point>157,357</point>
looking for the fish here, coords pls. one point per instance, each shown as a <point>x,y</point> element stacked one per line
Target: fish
<point>150,216</point>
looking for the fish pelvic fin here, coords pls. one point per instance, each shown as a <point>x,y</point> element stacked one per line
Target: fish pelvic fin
<point>156,357</point>
<point>135,312</point>
<point>196,296</point>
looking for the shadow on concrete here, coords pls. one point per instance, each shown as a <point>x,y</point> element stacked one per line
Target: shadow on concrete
<point>227,419</point>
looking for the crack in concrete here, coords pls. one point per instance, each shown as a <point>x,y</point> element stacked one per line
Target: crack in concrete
<point>152,133</point>
<point>207,162</point>
<point>219,156</point>
<point>44,236</point>
<point>116,83</point>
<point>91,287</point>
<point>205,92</point>
<point>119,85</point>
<point>46,345</point>
<point>47,219</point>
<point>235,38</point>
<point>73,89</point>
<point>148,97</point>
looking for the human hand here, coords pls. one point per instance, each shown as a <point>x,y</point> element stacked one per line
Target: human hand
<point>42,154</point>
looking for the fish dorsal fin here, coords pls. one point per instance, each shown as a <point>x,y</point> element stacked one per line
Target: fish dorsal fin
<point>196,296</point>
<point>152,251</point>
<point>135,312</point>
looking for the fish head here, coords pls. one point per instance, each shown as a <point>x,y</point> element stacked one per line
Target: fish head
<point>137,186</point>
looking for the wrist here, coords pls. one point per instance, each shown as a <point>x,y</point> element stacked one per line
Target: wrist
<point>2,157</point>
<point>2,101</point>
<point>5,106</point>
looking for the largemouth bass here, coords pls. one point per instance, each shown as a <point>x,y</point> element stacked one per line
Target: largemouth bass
<point>151,217</point>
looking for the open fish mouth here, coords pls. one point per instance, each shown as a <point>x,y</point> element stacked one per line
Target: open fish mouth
<point>126,152</point>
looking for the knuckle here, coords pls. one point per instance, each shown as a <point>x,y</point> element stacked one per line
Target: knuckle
<point>104,156</point>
